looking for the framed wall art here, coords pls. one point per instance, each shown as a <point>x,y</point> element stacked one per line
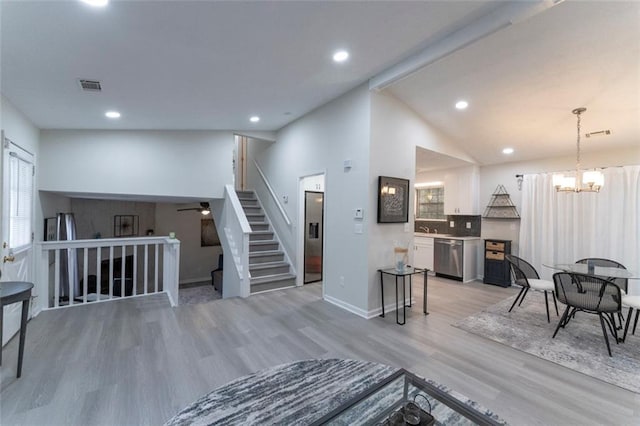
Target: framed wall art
<point>393,200</point>
<point>125,225</point>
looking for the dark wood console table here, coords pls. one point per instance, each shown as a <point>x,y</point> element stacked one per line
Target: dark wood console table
<point>14,292</point>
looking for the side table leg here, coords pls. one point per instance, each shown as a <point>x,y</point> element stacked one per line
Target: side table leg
<point>424,294</point>
<point>410,297</point>
<point>23,333</point>
<point>382,293</point>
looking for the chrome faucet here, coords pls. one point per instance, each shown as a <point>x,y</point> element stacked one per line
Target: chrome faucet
<point>424,229</point>
<point>435,231</point>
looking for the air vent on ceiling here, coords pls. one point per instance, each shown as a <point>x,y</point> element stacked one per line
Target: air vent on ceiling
<point>90,85</point>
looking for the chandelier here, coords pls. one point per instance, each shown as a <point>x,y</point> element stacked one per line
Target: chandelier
<point>579,181</point>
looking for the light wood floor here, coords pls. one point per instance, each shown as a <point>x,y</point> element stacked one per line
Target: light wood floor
<point>139,361</point>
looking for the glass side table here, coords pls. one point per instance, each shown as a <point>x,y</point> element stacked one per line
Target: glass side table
<point>408,271</point>
<point>376,404</point>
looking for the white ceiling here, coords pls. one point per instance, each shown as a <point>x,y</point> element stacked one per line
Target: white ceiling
<point>210,65</point>
<point>203,64</point>
<point>523,82</point>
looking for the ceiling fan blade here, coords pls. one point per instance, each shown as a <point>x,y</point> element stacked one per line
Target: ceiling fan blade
<point>199,209</point>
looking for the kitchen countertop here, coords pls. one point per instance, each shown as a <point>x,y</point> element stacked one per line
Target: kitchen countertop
<point>445,236</point>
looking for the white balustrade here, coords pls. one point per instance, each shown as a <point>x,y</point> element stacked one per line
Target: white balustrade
<point>106,269</point>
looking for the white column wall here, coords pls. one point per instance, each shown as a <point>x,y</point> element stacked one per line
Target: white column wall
<point>320,142</point>
<point>395,132</point>
<point>138,163</point>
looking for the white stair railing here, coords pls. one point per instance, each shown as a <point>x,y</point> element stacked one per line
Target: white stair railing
<point>149,265</point>
<point>230,217</point>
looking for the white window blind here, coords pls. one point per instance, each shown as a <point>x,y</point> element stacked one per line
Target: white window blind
<point>20,201</point>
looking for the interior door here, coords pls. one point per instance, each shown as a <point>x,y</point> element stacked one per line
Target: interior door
<point>313,235</point>
<point>18,172</point>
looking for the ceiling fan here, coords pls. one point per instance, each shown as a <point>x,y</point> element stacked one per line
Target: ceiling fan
<point>204,209</point>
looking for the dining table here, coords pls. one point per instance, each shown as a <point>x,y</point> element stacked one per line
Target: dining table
<point>596,271</point>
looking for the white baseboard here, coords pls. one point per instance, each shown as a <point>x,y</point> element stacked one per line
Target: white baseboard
<point>194,280</point>
<point>391,307</point>
<point>346,306</point>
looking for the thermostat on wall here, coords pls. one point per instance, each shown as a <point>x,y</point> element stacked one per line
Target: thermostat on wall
<point>358,213</point>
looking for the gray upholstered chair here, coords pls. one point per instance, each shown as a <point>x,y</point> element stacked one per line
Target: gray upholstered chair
<point>526,276</point>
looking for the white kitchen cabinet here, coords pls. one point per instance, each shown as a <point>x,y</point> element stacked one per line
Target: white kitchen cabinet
<point>461,188</point>
<point>423,252</point>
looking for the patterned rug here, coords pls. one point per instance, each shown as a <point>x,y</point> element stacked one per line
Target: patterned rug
<point>193,294</point>
<point>579,346</point>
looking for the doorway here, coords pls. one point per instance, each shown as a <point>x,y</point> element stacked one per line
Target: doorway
<point>313,235</point>
<point>18,172</point>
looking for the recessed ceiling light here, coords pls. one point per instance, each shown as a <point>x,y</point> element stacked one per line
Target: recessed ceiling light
<point>507,151</point>
<point>96,3</point>
<point>254,119</point>
<point>462,104</point>
<point>340,56</point>
<point>112,114</point>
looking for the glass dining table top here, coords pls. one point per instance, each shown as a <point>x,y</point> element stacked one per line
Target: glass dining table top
<point>598,271</point>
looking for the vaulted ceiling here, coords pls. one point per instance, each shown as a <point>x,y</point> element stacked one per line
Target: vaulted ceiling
<point>211,65</point>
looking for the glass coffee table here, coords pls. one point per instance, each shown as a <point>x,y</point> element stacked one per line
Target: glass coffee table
<point>377,404</point>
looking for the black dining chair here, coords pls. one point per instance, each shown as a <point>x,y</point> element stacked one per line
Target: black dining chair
<point>586,293</point>
<point>597,261</point>
<point>620,282</point>
<point>525,275</point>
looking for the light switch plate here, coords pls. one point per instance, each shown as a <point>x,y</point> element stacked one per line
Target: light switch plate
<point>452,224</point>
<point>468,225</point>
<point>358,228</point>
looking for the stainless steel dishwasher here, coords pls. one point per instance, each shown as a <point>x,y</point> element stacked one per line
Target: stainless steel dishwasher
<point>448,258</point>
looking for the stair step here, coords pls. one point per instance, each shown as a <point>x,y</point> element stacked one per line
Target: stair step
<point>265,256</point>
<point>246,195</point>
<point>272,282</point>
<point>259,226</point>
<point>263,245</point>
<point>268,269</point>
<point>248,203</point>
<point>261,236</point>
<point>252,210</point>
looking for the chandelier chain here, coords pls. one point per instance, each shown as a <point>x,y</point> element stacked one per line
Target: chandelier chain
<point>578,144</point>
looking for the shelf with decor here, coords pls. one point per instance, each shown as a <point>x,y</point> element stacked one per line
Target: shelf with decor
<point>500,206</point>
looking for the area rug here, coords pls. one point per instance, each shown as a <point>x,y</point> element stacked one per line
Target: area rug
<point>193,294</point>
<point>579,346</point>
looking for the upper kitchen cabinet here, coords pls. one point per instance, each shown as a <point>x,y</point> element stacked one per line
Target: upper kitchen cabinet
<point>461,188</point>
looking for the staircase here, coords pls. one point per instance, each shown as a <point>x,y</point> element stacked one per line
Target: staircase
<point>268,267</point>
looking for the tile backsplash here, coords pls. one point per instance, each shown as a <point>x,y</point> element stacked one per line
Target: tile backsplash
<point>459,225</point>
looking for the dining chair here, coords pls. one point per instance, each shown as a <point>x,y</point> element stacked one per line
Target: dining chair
<point>631,302</point>
<point>597,261</point>
<point>525,275</point>
<point>593,295</point>
<point>620,282</point>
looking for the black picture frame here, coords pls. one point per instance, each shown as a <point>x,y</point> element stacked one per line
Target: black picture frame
<point>393,200</point>
<point>125,225</point>
<point>50,229</point>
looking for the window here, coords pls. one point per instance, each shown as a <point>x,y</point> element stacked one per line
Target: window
<point>430,203</point>
<point>20,201</point>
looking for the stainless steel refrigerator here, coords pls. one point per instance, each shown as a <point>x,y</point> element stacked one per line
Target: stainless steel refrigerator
<point>313,236</point>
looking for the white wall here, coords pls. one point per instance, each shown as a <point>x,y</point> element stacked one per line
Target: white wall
<point>316,143</point>
<point>196,262</point>
<point>395,132</point>
<point>194,164</point>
